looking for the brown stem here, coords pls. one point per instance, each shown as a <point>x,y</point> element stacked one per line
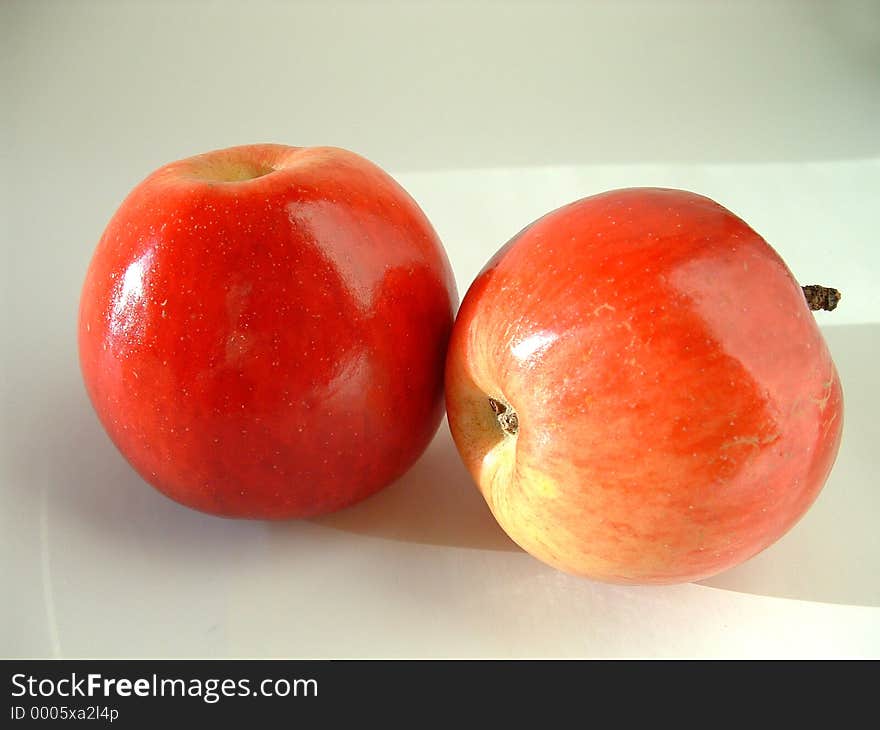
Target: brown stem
<point>821,297</point>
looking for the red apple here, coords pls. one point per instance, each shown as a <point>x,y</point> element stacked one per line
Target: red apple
<point>640,391</point>
<point>262,330</point>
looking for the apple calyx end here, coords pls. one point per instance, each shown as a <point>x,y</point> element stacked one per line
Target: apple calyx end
<point>507,418</point>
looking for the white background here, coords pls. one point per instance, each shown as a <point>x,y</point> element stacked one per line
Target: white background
<point>490,114</point>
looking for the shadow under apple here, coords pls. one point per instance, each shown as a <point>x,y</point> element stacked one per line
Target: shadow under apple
<point>434,503</point>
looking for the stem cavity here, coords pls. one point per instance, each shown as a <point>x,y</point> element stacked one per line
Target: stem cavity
<point>507,418</point>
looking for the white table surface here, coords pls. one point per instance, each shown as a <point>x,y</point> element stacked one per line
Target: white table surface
<point>95,563</point>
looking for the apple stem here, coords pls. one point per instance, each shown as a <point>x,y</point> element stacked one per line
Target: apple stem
<point>821,297</point>
<point>507,418</point>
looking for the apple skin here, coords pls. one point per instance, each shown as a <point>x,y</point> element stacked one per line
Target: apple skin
<point>262,330</point>
<point>678,409</point>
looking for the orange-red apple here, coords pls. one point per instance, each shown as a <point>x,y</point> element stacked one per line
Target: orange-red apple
<point>640,390</point>
<point>262,330</point>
